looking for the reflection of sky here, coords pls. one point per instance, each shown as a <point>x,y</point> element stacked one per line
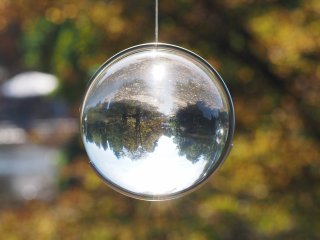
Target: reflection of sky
<point>160,172</point>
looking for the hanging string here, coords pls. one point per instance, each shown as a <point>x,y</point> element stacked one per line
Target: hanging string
<point>156,30</point>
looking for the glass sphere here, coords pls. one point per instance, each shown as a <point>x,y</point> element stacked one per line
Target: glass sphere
<point>157,120</point>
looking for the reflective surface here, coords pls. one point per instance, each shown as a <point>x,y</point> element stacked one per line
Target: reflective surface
<point>156,121</point>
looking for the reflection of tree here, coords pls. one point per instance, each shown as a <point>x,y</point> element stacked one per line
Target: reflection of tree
<point>126,127</point>
<point>195,130</point>
<point>133,129</point>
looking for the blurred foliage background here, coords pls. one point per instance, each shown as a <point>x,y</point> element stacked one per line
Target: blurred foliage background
<point>268,53</point>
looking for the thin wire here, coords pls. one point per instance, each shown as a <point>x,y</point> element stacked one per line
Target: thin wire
<point>156,30</point>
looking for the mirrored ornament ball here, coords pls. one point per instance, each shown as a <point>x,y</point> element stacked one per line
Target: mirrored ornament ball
<point>157,120</point>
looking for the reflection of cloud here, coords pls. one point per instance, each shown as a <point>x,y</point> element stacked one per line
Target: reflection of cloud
<point>161,172</point>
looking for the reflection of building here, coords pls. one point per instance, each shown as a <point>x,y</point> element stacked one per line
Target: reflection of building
<point>32,128</point>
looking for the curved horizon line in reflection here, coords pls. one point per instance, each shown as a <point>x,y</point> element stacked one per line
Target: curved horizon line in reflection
<point>129,129</point>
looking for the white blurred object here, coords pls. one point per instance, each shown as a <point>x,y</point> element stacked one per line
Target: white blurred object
<point>10,134</point>
<point>29,84</point>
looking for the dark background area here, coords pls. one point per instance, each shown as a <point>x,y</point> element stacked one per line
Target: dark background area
<point>267,52</point>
